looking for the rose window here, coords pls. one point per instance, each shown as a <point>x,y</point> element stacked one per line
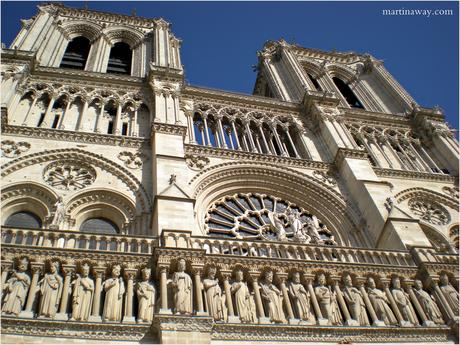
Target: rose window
<point>429,211</point>
<point>69,175</point>
<point>264,217</point>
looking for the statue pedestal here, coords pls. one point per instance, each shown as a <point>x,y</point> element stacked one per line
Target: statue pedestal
<point>26,314</point>
<point>62,316</point>
<point>293,321</point>
<point>233,319</point>
<point>429,323</point>
<point>129,319</point>
<point>322,322</point>
<point>264,321</point>
<point>405,323</point>
<point>351,322</point>
<point>95,318</point>
<point>202,313</point>
<point>379,323</point>
<point>165,312</point>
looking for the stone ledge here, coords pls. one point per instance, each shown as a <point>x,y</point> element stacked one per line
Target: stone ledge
<point>328,333</point>
<point>71,329</point>
<point>413,175</point>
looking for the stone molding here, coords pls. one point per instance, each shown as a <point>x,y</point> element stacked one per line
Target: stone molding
<point>72,136</point>
<point>412,175</point>
<point>182,323</point>
<point>254,157</point>
<point>166,128</point>
<point>423,193</point>
<point>343,153</point>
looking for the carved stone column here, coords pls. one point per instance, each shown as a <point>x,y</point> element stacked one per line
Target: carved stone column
<point>95,313</point>
<point>206,129</point>
<point>425,322</point>
<point>164,291</point>
<point>348,320</point>
<point>46,119</point>
<point>236,136</point>
<point>369,306</point>
<point>228,297</point>
<point>116,125</point>
<point>6,268</point>
<point>68,271</point>
<point>66,111</point>
<point>130,275</point>
<point>81,120</point>
<point>26,118</point>
<point>394,306</point>
<point>36,268</point>
<point>199,291</point>
<point>287,303</point>
<point>259,305</point>
<point>321,321</point>
<point>99,118</point>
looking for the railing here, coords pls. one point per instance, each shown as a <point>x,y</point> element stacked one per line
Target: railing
<point>79,240</point>
<point>283,250</point>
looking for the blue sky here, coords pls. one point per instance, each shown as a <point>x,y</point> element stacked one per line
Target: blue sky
<point>220,39</point>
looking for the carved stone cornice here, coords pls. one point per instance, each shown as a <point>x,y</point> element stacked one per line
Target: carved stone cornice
<point>413,175</point>
<point>167,128</point>
<point>81,137</point>
<point>255,157</point>
<point>182,323</point>
<point>79,330</point>
<point>319,334</point>
<point>343,153</point>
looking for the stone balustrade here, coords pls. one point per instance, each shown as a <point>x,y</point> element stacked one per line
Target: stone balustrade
<point>78,240</point>
<point>289,250</point>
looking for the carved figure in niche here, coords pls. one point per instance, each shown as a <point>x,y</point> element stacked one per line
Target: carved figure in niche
<point>16,289</point>
<point>182,286</point>
<point>449,292</point>
<point>297,227</point>
<point>327,301</point>
<point>301,299</point>
<point>59,214</point>
<point>380,302</point>
<point>114,288</point>
<point>355,302</point>
<point>242,297</point>
<point>428,304</point>
<point>277,225</point>
<point>82,299</point>
<point>273,298</point>
<point>252,308</point>
<point>146,297</point>
<point>214,298</point>
<point>403,302</point>
<point>50,291</point>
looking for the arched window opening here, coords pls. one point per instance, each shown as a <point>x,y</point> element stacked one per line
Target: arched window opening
<point>120,59</point>
<point>112,113</point>
<point>99,225</point>
<point>198,127</point>
<point>315,82</point>
<point>212,132</point>
<point>24,219</point>
<point>347,93</point>
<point>76,54</point>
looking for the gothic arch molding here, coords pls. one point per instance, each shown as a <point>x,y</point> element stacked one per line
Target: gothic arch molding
<point>421,192</point>
<point>142,198</point>
<point>303,190</point>
<point>90,30</point>
<point>342,72</point>
<point>28,196</point>
<point>125,34</point>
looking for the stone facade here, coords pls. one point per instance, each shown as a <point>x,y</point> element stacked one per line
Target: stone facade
<point>324,207</point>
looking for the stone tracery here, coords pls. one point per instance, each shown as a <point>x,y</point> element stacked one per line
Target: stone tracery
<point>260,216</point>
<point>69,175</point>
<point>429,211</point>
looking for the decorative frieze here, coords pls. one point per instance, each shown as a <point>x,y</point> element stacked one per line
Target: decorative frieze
<point>429,211</point>
<point>132,160</point>
<point>13,149</point>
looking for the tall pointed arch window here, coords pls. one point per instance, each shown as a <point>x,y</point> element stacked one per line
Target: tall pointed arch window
<point>76,53</point>
<point>347,93</point>
<point>120,59</point>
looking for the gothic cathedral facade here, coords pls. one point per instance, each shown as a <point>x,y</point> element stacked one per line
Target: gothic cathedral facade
<point>137,208</point>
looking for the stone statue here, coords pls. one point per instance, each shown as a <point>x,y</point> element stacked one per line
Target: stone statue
<point>83,293</point>
<point>146,297</point>
<point>403,302</point>
<point>242,298</point>
<point>312,230</point>
<point>327,301</point>
<point>273,298</point>
<point>114,288</point>
<point>59,214</point>
<point>355,302</point>
<point>50,290</point>
<point>16,289</point>
<point>252,308</point>
<point>297,227</point>
<point>277,225</point>
<point>449,292</point>
<point>380,302</point>
<point>182,286</point>
<point>214,298</point>
<point>428,304</point>
<point>301,299</point>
